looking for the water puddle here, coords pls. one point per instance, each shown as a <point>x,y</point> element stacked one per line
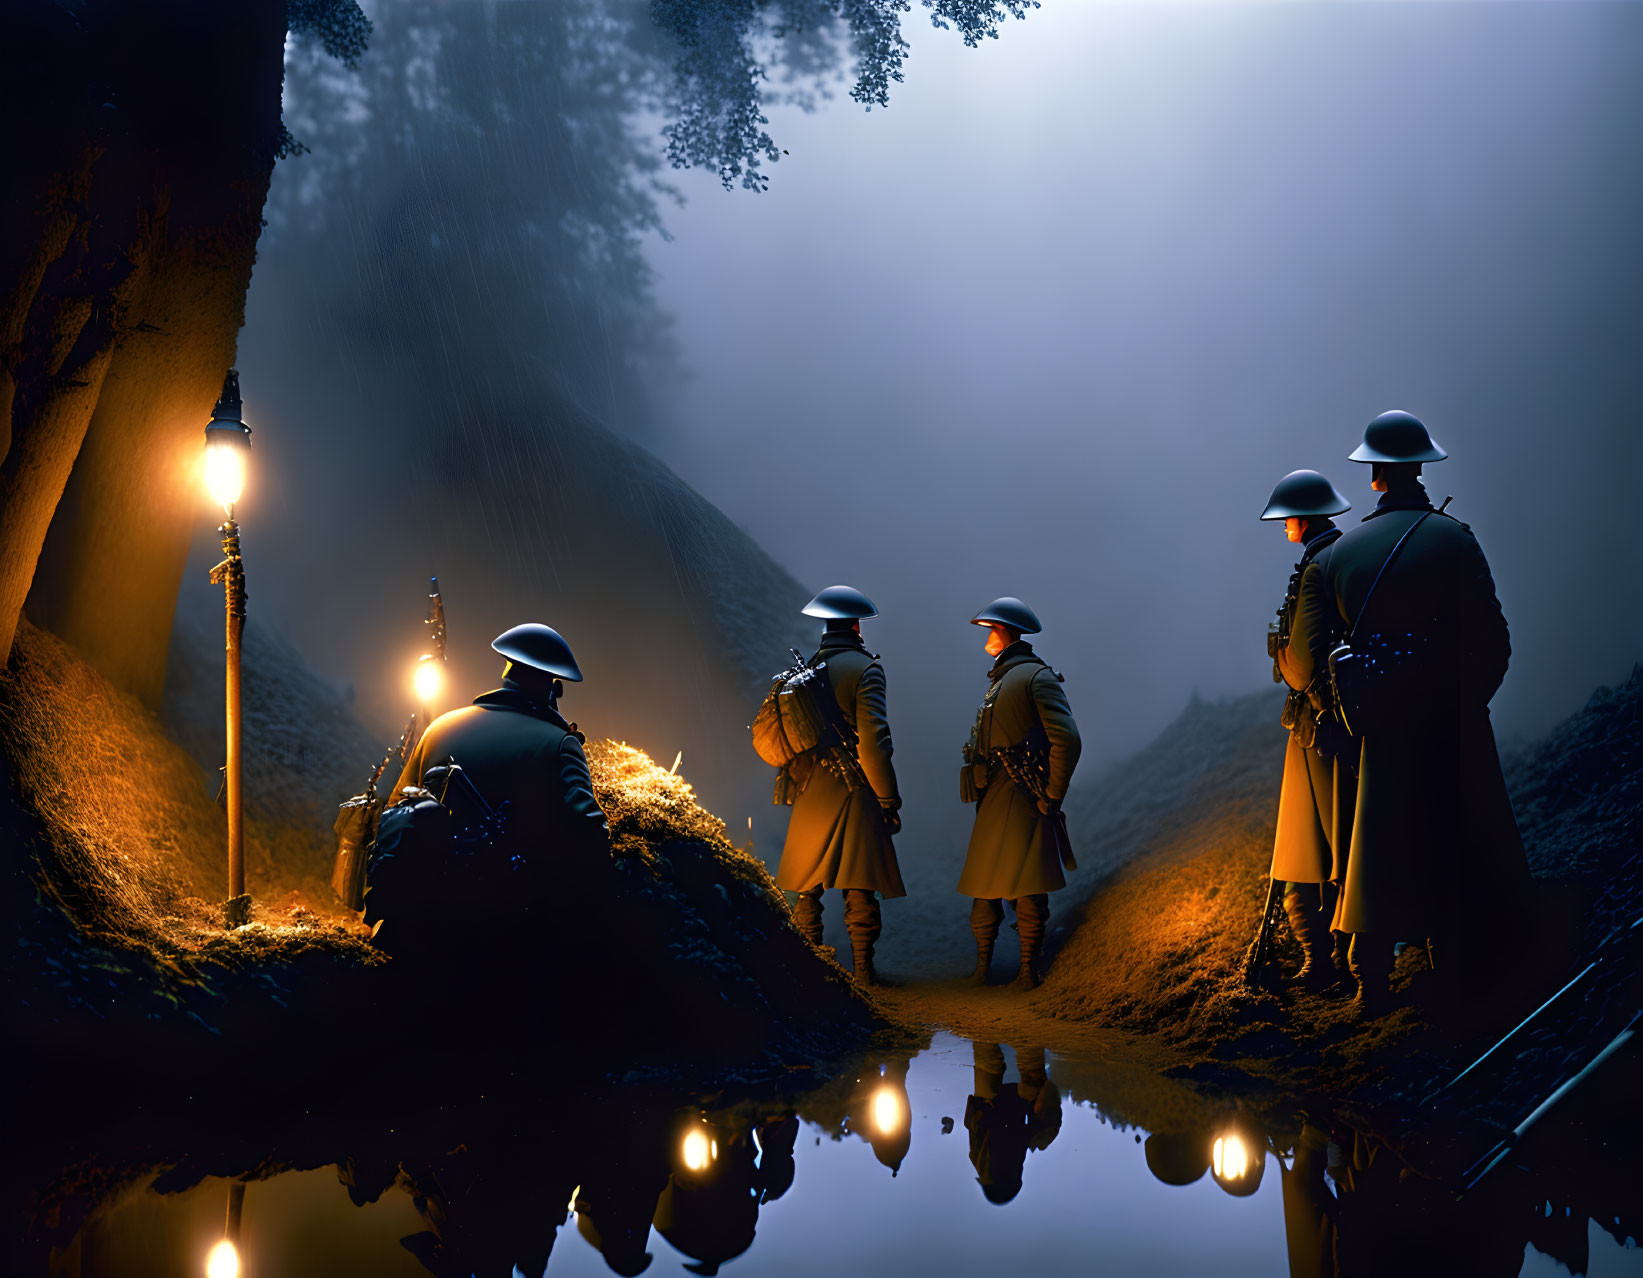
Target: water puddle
<point>969,1158</point>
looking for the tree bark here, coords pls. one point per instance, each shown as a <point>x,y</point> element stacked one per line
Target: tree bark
<point>146,132</point>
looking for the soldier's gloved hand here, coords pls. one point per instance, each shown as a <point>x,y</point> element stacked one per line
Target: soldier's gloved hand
<point>1049,807</point>
<point>892,817</point>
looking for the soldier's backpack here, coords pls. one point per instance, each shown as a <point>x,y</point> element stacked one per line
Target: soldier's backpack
<point>440,857</point>
<point>794,717</point>
<point>356,831</point>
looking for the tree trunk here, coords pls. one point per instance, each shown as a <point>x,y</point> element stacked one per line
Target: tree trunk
<point>145,137</point>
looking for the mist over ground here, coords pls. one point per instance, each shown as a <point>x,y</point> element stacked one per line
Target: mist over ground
<point>1051,324</point>
<point>1054,323</point>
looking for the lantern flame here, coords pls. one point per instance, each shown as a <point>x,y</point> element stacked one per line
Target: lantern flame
<point>1231,1157</point>
<point>889,1114</point>
<point>225,473</point>
<point>223,1261</point>
<point>428,679</point>
<point>698,1150</point>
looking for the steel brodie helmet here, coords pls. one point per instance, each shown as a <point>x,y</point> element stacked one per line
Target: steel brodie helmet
<point>1008,611</point>
<point>539,647</point>
<point>1397,437</point>
<point>1304,494</point>
<point>840,603</point>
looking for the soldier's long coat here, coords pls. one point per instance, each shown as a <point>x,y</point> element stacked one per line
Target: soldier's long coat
<point>837,838</point>
<point>1315,802</point>
<point>517,753</point>
<point>1435,844</point>
<point>1014,849</point>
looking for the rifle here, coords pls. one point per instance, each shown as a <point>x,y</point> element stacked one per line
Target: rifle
<point>837,750</point>
<point>436,619</point>
<point>1027,763</point>
<point>1261,955</point>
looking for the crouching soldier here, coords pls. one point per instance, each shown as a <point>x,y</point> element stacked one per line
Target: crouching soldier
<point>847,805</point>
<point>530,783</point>
<point>1315,802</point>
<point>1017,767</point>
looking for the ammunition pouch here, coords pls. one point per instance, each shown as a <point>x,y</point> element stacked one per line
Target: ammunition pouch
<point>1380,682</point>
<point>1299,718</point>
<point>791,778</point>
<point>1027,763</point>
<point>1329,739</point>
<point>972,780</point>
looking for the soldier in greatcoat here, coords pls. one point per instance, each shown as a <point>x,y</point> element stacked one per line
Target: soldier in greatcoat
<point>517,748</point>
<point>1435,850</point>
<point>526,761</point>
<point>1315,801</point>
<point>1017,767</point>
<point>840,832</point>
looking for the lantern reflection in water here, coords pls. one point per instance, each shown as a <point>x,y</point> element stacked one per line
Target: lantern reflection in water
<point>698,1150</point>
<point>1230,1158</point>
<point>889,1111</point>
<point>223,1261</point>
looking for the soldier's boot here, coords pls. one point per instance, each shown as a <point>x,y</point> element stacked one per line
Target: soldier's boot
<point>1371,962</point>
<point>807,915</point>
<point>985,918</point>
<point>1344,986</point>
<point>1032,917</point>
<point>1317,956</point>
<point>863,922</point>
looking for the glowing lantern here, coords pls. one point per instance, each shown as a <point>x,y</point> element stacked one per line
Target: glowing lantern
<point>227,446</point>
<point>699,1149</point>
<point>429,679</point>
<point>223,1261</point>
<point>889,1113</point>
<point>1230,1159</point>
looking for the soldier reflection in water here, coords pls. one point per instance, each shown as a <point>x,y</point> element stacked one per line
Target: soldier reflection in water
<point>1352,1209</point>
<point>619,1191</point>
<point>709,1208</point>
<point>1005,1120</point>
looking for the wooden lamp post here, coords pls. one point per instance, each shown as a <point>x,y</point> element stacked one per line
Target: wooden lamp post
<point>227,450</point>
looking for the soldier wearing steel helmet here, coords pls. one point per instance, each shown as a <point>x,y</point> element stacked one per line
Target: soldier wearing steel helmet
<point>517,748</point>
<point>840,833</point>
<point>1315,801</point>
<point>1017,767</point>
<point>1435,853</point>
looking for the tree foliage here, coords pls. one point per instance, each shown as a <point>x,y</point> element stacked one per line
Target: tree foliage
<point>725,49</point>
<point>723,55</point>
<point>340,26</point>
